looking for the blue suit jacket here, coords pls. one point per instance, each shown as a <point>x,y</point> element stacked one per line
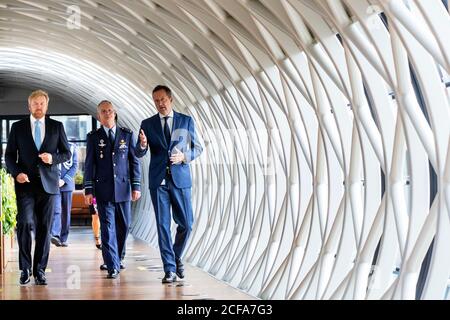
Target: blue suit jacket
<point>183,137</point>
<point>69,169</point>
<point>111,171</point>
<point>21,154</point>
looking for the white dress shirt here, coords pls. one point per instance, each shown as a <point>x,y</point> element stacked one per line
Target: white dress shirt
<point>42,123</point>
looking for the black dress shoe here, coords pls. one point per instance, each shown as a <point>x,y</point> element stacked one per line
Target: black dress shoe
<point>169,277</point>
<point>55,241</point>
<point>112,274</point>
<point>25,276</point>
<point>40,279</point>
<point>105,267</point>
<point>180,269</point>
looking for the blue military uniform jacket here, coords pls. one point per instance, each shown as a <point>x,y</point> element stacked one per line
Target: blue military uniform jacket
<point>111,172</point>
<point>69,169</point>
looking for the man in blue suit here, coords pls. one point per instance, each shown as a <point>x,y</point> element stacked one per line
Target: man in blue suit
<point>173,144</point>
<point>113,175</point>
<point>36,145</point>
<point>63,202</point>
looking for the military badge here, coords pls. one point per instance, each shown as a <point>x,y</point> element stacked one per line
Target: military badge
<point>123,144</point>
<point>102,143</point>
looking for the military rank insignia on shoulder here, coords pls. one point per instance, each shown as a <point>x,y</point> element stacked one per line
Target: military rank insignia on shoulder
<point>126,130</point>
<point>90,132</point>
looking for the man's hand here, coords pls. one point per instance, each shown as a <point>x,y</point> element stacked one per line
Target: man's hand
<point>135,195</point>
<point>46,158</point>
<point>177,157</point>
<point>22,178</point>
<point>88,199</point>
<point>61,182</point>
<point>143,139</point>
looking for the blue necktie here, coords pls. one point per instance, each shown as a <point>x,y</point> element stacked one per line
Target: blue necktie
<point>167,130</point>
<point>111,136</point>
<point>37,134</point>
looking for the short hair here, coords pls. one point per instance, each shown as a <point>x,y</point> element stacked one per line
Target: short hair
<point>107,102</point>
<point>104,102</point>
<point>38,93</point>
<point>163,87</point>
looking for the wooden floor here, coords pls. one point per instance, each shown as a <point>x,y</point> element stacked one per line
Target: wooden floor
<point>73,274</point>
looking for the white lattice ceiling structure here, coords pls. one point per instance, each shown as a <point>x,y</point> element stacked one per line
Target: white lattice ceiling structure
<point>326,168</point>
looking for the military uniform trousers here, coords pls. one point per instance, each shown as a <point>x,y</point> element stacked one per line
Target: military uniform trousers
<point>61,218</point>
<point>115,218</point>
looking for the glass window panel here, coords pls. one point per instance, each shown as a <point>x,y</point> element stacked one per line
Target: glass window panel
<point>77,127</point>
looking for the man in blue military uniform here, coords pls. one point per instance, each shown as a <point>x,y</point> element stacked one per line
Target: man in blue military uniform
<point>63,202</point>
<point>112,174</point>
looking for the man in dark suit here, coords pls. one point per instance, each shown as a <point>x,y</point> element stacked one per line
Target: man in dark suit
<point>113,175</point>
<point>63,201</point>
<point>36,145</point>
<point>173,144</point>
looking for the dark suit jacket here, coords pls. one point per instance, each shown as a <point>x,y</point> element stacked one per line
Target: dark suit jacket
<point>21,155</point>
<point>183,137</point>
